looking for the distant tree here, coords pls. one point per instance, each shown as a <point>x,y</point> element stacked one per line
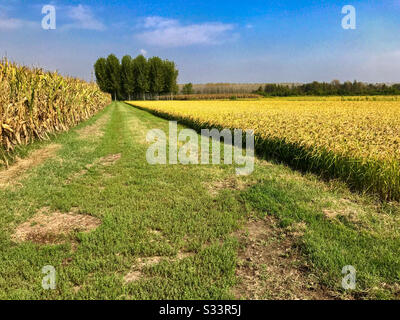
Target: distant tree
<point>346,88</point>
<point>100,70</point>
<point>156,76</point>
<point>135,78</point>
<point>114,75</point>
<point>140,73</point>
<point>327,89</point>
<point>170,74</point>
<point>127,78</point>
<point>187,88</point>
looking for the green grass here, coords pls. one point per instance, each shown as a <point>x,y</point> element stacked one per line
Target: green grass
<point>133,199</point>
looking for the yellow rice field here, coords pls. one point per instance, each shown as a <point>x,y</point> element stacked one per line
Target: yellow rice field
<point>357,141</point>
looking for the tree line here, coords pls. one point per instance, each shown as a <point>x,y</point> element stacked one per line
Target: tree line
<point>137,78</point>
<point>333,88</point>
<point>219,88</point>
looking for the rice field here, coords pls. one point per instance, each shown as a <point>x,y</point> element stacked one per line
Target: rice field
<point>211,96</point>
<point>356,141</point>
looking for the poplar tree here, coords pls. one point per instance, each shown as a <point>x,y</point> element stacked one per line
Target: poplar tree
<point>156,76</point>
<point>114,75</point>
<point>127,78</point>
<point>100,70</point>
<point>170,75</point>
<point>140,73</point>
<point>136,77</point>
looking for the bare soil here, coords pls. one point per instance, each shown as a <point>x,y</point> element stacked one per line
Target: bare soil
<point>231,183</point>
<point>136,272</point>
<point>52,227</point>
<point>270,265</point>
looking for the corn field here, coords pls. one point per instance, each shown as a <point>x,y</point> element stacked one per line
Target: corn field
<point>356,141</point>
<point>35,103</point>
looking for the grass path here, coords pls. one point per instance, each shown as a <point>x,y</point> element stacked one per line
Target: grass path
<point>186,232</point>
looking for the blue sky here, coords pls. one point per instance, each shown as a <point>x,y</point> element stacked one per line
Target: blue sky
<point>212,41</point>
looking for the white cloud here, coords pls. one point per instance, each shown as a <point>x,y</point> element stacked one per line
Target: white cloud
<point>143,52</point>
<point>159,22</point>
<point>10,24</point>
<point>171,33</point>
<point>7,23</point>
<point>83,18</point>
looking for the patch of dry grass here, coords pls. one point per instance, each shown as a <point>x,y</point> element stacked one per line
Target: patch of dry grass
<point>230,183</point>
<point>51,227</point>
<point>12,174</point>
<point>95,130</point>
<point>137,273</point>
<point>270,266</point>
